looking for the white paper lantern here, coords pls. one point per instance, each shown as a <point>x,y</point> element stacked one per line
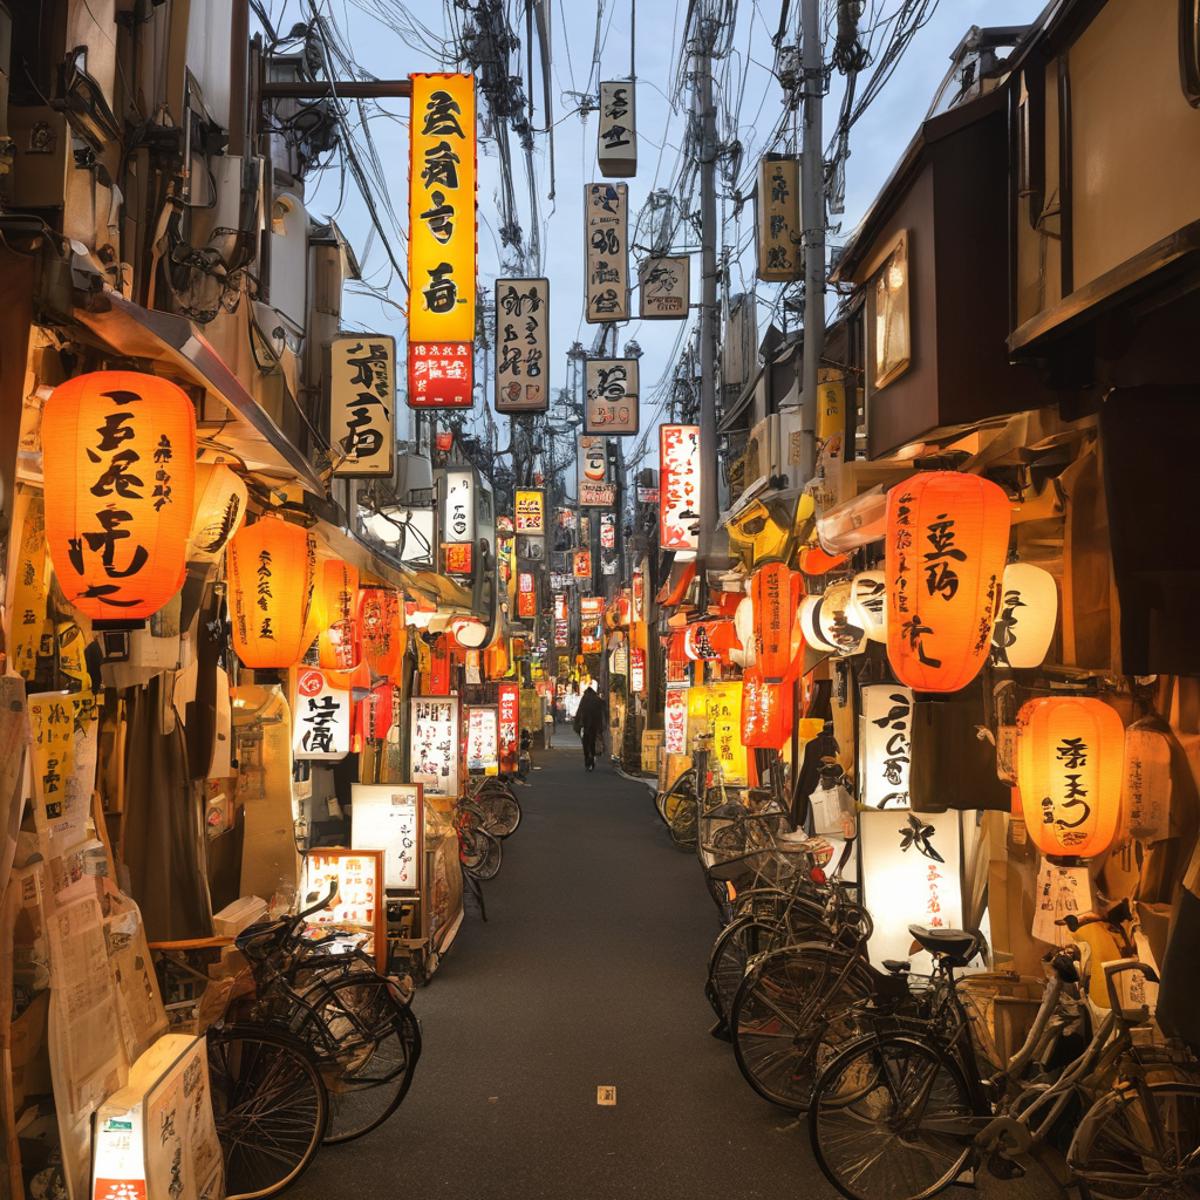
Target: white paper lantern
<point>468,632</point>
<point>218,510</point>
<point>886,742</point>
<point>868,591</point>
<point>810,611</point>
<point>838,620</point>
<point>1146,787</point>
<point>1026,618</point>
<point>743,624</point>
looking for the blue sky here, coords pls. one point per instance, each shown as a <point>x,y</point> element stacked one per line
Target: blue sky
<point>376,32</point>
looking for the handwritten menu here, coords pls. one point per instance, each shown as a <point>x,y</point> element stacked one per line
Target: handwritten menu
<point>435,745</point>
<point>390,817</point>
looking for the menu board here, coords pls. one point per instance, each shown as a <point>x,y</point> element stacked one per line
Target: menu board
<point>483,739</point>
<point>359,903</point>
<point>390,817</point>
<point>434,746</point>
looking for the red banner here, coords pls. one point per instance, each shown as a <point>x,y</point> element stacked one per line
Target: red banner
<point>441,375</point>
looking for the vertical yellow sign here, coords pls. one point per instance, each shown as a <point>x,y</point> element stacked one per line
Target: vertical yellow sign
<point>441,209</point>
<point>716,708</point>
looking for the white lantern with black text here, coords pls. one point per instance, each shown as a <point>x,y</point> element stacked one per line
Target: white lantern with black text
<point>1027,617</point>
<point>810,612</point>
<point>869,594</point>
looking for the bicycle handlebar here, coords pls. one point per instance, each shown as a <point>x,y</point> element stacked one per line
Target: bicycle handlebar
<point>1119,966</point>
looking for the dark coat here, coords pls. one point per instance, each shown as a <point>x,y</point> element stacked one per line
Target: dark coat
<point>590,715</point>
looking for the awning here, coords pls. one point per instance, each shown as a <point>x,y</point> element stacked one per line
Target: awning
<point>160,336</point>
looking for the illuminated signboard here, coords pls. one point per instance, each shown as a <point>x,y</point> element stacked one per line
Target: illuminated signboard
<point>595,490</point>
<point>483,739</point>
<point>434,736</point>
<point>679,487</point>
<point>320,717</point>
<point>441,375</point>
<point>529,512</point>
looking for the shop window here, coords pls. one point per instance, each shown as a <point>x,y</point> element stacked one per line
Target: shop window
<point>1189,50</point>
<point>889,315</point>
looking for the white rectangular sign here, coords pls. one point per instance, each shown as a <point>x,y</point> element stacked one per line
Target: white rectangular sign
<point>675,712</point>
<point>595,490</point>
<point>606,226</point>
<point>320,717</point>
<point>483,739</point>
<point>679,470</point>
<point>389,817</point>
<point>522,345</point>
<point>458,505</point>
<point>362,403</point>
<point>610,405</point>
<point>434,744</point>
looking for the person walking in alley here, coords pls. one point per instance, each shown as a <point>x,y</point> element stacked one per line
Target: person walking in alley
<point>589,724</point>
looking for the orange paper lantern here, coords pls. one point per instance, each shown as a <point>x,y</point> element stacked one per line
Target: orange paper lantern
<point>708,640</point>
<point>119,472</point>
<point>1070,763</point>
<point>774,596</point>
<point>946,545</point>
<point>382,633</point>
<point>767,711</point>
<point>496,659</point>
<point>337,615</point>
<point>270,567</point>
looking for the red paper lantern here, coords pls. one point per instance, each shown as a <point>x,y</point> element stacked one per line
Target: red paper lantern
<point>767,711</point>
<point>947,542</point>
<point>1070,765</point>
<point>774,595</point>
<point>381,630</point>
<point>119,474</point>
<point>337,615</point>
<point>270,567</point>
<point>709,640</point>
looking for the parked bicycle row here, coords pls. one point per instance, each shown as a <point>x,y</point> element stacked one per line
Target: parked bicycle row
<point>907,1083</point>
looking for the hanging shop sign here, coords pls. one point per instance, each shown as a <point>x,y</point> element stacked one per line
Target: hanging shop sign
<point>509,725</point>
<point>390,817</point>
<point>608,531</point>
<point>777,212</point>
<point>911,866</point>
<point>606,227</point>
<point>356,878</point>
<point>1028,615</point>
<point>675,717</point>
<point>321,717</point>
<point>441,375</point>
<point>637,671</point>
<point>220,509</point>
<point>664,288</point>
<point>647,495</point>
<point>361,370</point>
<point>679,475</point>
<point>1070,766</point>
<point>886,741</point>
<point>458,505</point>
<point>483,739</point>
<point>522,345</point>
<point>716,708</point>
<point>616,134</point>
<point>561,613</point>
<point>562,633</point>
<point>591,624</point>
<point>768,711</point>
<point>529,512</point>
<point>434,737</point>
<point>595,490</point>
<point>119,474</point>
<point>581,564</point>
<point>610,404</point>
<point>637,592</point>
<point>565,518</point>
<point>946,545</point>
<point>270,567</point>
<point>526,597</point>
<point>441,211</point>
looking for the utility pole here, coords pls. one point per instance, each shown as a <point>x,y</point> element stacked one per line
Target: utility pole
<point>706,115</point>
<point>812,192</point>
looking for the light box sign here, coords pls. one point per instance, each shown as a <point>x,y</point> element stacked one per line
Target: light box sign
<point>522,345</point>
<point>679,487</point>
<point>664,288</point>
<point>526,597</point>
<point>509,724</point>
<point>434,736</point>
<point>441,211</point>
<point>362,403</point>
<point>637,671</point>
<point>320,717</point>
<point>675,720</point>
<point>608,531</point>
<point>591,618</point>
<point>606,226</point>
<point>441,375</point>
<point>611,396</point>
<point>717,709</point>
<point>390,817</point>
<point>483,739</point>
<point>887,722</point>
<point>595,490</point>
<point>581,564</point>
<point>529,512</point>
<point>616,135</point>
<point>777,208</point>
<point>458,506</point>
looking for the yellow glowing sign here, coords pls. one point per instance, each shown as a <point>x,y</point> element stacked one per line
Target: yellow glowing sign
<point>441,209</point>
<point>716,708</point>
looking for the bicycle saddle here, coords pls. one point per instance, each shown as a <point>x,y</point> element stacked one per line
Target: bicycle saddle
<point>954,946</point>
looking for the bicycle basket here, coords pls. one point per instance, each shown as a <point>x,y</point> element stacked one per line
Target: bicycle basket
<point>1001,1007</point>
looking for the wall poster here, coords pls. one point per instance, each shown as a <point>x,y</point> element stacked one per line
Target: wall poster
<point>434,747</point>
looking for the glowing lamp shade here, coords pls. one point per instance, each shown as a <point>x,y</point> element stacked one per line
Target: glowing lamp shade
<point>1070,764</point>
<point>810,627</point>
<point>774,594</point>
<point>767,712</point>
<point>868,592</point>
<point>838,619</point>
<point>337,614</point>
<point>382,632</point>
<point>469,633</point>
<point>218,513</point>
<point>270,567</point>
<point>946,545</point>
<point>707,640</point>
<point>1028,614</point>
<point>496,660</point>
<point>743,626</point>
<point>119,473</point>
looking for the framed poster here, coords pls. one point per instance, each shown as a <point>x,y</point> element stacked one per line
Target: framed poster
<point>362,398</point>
<point>434,747</point>
<point>391,817</point>
<point>522,345</point>
<point>610,405</point>
<point>483,739</point>
<point>359,903</point>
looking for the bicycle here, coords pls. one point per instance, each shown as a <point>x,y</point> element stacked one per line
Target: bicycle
<point>479,851</point>
<point>903,1114</point>
<point>499,805</point>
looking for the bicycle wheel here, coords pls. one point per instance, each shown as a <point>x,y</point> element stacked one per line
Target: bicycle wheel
<point>367,1042</point>
<point>502,812</point>
<point>738,942</point>
<point>794,1008</point>
<point>883,1119</point>
<point>682,823</point>
<point>270,1106</point>
<point>1142,1143</point>
<point>483,855</point>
